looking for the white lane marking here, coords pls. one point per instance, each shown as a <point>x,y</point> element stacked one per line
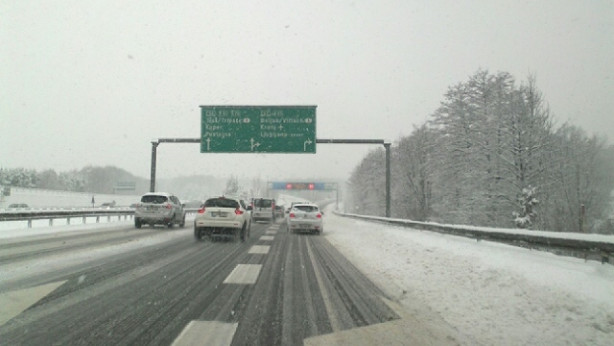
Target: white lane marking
<point>272,227</point>
<point>388,333</point>
<point>408,330</point>
<point>15,302</point>
<point>267,237</point>
<point>206,333</point>
<point>270,232</point>
<point>244,274</point>
<point>259,249</point>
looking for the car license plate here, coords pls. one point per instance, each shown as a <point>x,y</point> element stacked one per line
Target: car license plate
<point>305,225</point>
<point>218,213</point>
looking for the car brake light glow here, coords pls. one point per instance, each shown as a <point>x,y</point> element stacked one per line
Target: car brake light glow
<point>238,211</point>
<point>292,215</point>
<point>319,216</point>
<point>169,206</point>
<point>201,210</point>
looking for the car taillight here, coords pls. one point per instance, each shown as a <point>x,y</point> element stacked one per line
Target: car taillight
<point>201,210</point>
<point>292,215</point>
<point>238,211</point>
<point>169,206</point>
<point>319,216</point>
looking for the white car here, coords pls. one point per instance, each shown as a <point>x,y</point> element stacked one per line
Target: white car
<point>263,209</point>
<point>223,217</point>
<point>305,217</point>
<point>159,208</point>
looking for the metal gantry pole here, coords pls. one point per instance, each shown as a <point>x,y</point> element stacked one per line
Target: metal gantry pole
<point>387,146</point>
<point>152,181</point>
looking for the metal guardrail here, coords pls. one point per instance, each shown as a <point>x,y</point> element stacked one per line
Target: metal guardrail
<point>30,215</point>
<point>587,249</point>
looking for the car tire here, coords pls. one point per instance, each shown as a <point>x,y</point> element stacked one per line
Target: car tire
<point>243,233</point>
<point>137,222</point>
<point>182,224</point>
<point>197,235</point>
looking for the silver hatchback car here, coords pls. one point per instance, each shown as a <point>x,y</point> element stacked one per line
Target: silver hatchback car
<point>305,217</point>
<point>159,208</point>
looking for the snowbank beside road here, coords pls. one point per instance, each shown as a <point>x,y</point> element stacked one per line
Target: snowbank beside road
<point>491,293</point>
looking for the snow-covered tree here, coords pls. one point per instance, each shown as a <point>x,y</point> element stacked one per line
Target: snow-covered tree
<point>367,185</point>
<point>232,186</point>
<point>526,203</point>
<point>413,174</point>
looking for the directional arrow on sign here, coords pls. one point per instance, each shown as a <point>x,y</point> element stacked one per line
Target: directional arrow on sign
<point>254,144</point>
<point>307,142</point>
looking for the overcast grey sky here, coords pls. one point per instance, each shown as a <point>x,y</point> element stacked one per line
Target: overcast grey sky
<point>93,82</point>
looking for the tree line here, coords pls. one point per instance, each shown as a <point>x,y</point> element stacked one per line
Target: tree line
<point>93,179</point>
<point>491,155</point>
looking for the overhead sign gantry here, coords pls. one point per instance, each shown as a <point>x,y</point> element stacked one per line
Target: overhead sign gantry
<point>262,129</point>
<point>286,185</point>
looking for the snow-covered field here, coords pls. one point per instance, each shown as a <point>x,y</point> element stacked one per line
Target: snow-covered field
<point>491,293</point>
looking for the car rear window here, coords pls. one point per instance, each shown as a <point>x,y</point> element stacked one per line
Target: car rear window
<point>263,203</point>
<point>306,208</point>
<point>221,203</point>
<point>154,199</point>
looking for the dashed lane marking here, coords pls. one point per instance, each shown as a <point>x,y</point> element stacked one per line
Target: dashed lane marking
<point>270,232</point>
<point>206,333</point>
<point>259,249</point>
<point>15,302</point>
<point>267,237</point>
<point>244,274</point>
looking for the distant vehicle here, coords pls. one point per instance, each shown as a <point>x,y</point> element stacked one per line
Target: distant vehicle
<point>18,206</point>
<point>292,204</point>
<point>223,217</point>
<point>263,209</point>
<point>279,211</point>
<point>305,218</point>
<point>159,208</point>
<point>108,205</point>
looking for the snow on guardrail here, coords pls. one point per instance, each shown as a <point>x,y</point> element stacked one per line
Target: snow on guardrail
<point>588,246</point>
<point>33,214</point>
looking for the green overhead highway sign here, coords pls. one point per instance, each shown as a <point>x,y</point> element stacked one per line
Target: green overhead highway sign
<point>258,129</point>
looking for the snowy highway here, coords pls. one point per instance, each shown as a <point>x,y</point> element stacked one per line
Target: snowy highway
<point>359,283</point>
<point>119,285</point>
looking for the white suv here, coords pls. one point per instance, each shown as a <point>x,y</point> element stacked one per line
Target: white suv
<point>223,217</point>
<point>159,208</point>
